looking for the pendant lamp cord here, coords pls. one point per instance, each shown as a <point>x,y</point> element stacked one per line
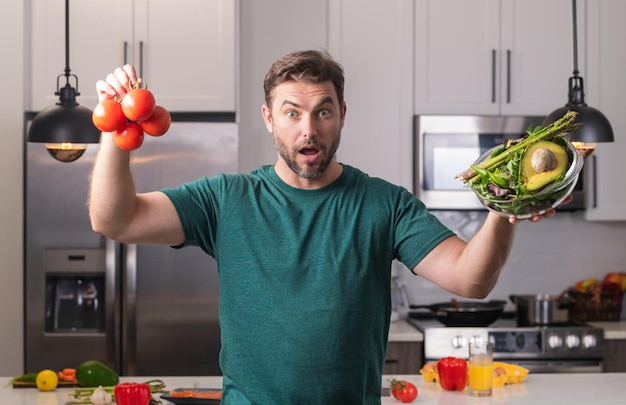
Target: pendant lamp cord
<point>576,94</point>
<point>67,40</point>
<point>67,93</point>
<point>575,38</point>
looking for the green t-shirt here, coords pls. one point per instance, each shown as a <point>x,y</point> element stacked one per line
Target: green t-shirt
<point>304,279</point>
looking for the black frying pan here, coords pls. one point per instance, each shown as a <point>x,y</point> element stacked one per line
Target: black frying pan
<point>465,313</point>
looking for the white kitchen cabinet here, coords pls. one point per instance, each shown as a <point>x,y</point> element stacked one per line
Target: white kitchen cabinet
<point>496,57</point>
<point>605,85</point>
<point>185,50</point>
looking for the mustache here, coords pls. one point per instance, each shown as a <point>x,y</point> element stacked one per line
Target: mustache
<point>310,143</point>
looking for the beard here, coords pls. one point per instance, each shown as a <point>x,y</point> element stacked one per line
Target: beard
<point>308,171</point>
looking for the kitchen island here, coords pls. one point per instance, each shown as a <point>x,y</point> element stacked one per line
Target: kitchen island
<point>571,389</point>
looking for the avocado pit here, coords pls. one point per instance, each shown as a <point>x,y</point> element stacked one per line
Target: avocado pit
<point>543,160</point>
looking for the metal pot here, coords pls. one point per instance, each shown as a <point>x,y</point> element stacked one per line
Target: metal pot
<point>465,313</point>
<point>541,309</point>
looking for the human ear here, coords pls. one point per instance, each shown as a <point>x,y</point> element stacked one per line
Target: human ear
<point>267,118</point>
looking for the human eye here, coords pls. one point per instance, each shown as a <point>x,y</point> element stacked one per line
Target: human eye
<point>291,114</point>
<point>324,113</point>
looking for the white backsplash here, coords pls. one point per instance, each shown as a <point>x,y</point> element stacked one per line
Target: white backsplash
<point>546,258</point>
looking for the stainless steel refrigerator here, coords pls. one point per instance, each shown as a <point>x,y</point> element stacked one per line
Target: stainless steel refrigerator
<point>143,310</point>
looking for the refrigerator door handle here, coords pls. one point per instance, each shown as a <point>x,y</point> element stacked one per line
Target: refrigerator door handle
<point>129,311</point>
<point>112,299</point>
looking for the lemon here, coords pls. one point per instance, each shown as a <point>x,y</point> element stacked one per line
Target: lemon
<point>47,380</point>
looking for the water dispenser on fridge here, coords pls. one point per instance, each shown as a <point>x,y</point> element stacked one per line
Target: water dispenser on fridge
<point>68,307</point>
<point>75,299</point>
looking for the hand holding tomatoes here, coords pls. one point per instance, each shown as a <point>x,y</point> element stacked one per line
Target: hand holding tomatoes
<point>130,115</point>
<point>403,390</point>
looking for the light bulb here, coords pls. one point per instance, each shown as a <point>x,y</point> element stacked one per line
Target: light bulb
<point>66,151</point>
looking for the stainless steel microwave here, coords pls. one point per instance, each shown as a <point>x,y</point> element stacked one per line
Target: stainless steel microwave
<point>445,145</point>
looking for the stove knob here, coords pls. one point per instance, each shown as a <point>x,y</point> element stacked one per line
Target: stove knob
<point>589,341</point>
<point>520,341</point>
<point>572,341</point>
<point>555,341</point>
<point>458,342</point>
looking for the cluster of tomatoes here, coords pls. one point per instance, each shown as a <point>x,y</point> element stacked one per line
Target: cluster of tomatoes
<point>132,116</point>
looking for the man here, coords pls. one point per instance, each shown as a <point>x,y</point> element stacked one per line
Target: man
<point>304,247</point>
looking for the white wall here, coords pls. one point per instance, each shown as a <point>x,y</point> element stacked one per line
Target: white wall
<point>547,257</point>
<point>11,212</point>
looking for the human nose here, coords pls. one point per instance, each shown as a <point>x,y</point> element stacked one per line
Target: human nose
<point>308,127</point>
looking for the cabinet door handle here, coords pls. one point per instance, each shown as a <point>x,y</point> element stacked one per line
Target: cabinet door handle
<point>493,76</point>
<point>140,58</point>
<point>508,76</point>
<point>125,52</point>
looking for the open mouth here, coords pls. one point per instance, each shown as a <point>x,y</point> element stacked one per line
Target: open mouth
<point>309,151</point>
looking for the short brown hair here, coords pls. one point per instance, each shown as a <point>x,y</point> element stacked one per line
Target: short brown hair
<point>304,66</point>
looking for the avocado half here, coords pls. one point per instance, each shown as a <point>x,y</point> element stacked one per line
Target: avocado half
<point>542,163</point>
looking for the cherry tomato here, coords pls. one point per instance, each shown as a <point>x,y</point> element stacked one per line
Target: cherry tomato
<point>108,116</point>
<point>138,104</point>
<point>408,393</point>
<point>129,137</point>
<point>395,387</point>
<point>403,390</point>
<point>158,123</point>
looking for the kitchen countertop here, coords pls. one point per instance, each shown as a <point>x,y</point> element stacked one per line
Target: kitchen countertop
<point>571,389</point>
<point>604,388</point>
<point>402,331</point>
<point>612,330</point>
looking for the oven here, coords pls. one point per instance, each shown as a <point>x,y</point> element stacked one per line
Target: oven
<point>570,348</point>
<point>445,145</point>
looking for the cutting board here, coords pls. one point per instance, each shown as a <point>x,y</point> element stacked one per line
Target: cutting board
<point>62,384</point>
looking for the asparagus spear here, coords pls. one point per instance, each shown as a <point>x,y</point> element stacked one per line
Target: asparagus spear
<point>558,128</point>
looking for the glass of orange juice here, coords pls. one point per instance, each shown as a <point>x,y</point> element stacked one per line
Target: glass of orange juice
<point>480,368</point>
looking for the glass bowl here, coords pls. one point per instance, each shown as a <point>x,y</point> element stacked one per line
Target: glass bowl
<point>537,203</point>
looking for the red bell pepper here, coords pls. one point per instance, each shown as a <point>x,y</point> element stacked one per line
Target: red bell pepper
<point>131,393</point>
<point>452,373</point>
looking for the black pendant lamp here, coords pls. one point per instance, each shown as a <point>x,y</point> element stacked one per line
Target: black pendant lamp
<point>66,127</point>
<point>595,126</point>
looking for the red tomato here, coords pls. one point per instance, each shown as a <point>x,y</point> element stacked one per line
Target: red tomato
<point>158,123</point>
<point>408,393</point>
<point>129,137</point>
<point>108,116</point>
<point>395,387</point>
<point>403,390</point>
<point>138,104</point>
